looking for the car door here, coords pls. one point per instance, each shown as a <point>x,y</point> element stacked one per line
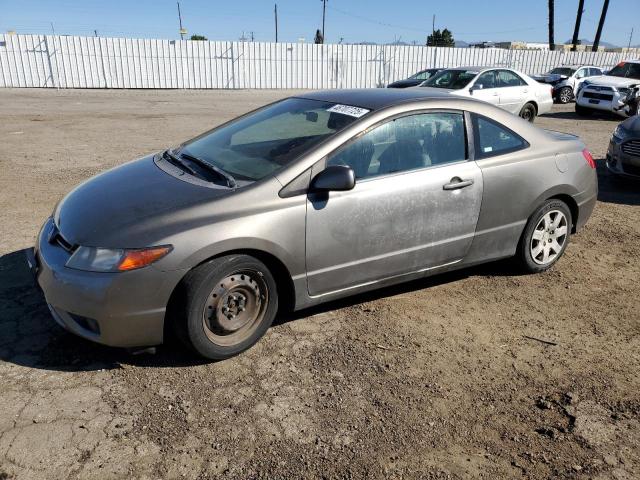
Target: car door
<point>512,90</point>
<point>485,88</point>
<point>414,207</point>
<point>579,77</point>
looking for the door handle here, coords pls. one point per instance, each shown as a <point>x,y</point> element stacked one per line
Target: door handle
<point>456,183</point>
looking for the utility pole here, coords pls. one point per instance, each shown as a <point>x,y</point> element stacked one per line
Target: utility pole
<point>576,30</point>
<point>630,37</point>
<point>433,29</point>
<point>552,42</point>
<point>252,36</point>
<point>603,15</point>
<point>275,13</point>
<point>324,8</point>
<point>180,22</point>
<point>95,33</point>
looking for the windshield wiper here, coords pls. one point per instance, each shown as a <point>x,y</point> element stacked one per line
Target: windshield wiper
<point>178,162</point>
<point>231,182</point>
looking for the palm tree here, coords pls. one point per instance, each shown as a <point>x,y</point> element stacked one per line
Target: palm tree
<point>603,15</point>
<point>576,31</point>
<point>552,43</point>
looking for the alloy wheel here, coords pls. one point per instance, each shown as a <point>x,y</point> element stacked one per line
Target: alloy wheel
<point>549,237</point>
<point>565,95</point>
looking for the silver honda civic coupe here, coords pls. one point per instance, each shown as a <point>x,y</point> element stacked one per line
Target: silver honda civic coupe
<point>308,199</point>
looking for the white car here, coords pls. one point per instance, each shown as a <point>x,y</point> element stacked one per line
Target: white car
<point>566,80</point>
<point>506,88</point>
<point>617,91</point>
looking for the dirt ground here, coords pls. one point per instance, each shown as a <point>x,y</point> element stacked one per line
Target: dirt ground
<point>433,379</point>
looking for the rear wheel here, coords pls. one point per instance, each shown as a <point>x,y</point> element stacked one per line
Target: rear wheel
<point>583,111</point>
<point>229,303</point>
<point>545,237</point>
<point>565,95</point>
<point>528,112</point>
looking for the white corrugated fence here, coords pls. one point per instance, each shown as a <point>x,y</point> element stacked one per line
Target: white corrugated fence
<point>99,62</point>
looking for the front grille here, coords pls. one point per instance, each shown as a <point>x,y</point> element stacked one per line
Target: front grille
<point>632,147</point>
<point>599,96</point>
<point>55,237</point>
<point>631,169</point>
<point>60,240</point>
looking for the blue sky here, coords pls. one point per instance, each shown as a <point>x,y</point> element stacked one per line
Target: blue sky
<point>353,20</point>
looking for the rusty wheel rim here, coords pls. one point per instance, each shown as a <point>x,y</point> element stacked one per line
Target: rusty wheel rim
<point>235,308</point>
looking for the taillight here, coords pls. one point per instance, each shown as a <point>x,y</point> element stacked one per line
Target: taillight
<point>589,158</point>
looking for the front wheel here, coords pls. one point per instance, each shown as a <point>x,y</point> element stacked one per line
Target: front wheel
<point>565,95</point>
<point>545,236</point>
<point>228,305</point>
<point>528,112</point>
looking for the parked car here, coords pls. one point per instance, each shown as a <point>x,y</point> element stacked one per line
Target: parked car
<point>415,79</point>
<point>616,92</point>
<point>623,154</point>
<point>506,88</point>
<point>309,199</point>
<point>565,80</point>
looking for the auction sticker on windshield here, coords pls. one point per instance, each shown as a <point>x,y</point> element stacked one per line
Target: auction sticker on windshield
<point>348,110</point>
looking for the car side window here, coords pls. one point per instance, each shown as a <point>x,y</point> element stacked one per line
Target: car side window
<point>405,143</point>
<point>505,78</point>
<point>492,138</point>
<point>487,80</point>
<point>594,71</point>
<point>581,73</point>
<point>422,75</point>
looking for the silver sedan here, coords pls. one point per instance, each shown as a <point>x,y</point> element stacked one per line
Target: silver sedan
<point>309,199</point>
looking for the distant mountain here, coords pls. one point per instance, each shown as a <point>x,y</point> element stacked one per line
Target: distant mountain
<point>461,44</point>
<point>585,41</point>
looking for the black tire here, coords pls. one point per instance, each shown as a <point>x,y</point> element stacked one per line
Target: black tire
<point>528,112</point>
<point>565,95</point>
<point>634,108</point>
<point>583,111</point>
<point>243,276</point>
<point>525,250</point>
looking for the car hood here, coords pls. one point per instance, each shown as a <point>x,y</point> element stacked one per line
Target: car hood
<point>405,83</point>
<point>549,78</point>
<point>632,124</point>
<point>99,211</point>
<point>611,81</point>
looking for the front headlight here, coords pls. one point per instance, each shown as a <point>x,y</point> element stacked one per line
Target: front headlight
<point>582,85</point>
<point>92,259</point>
<point>624,91</point>
<point>619,133</point>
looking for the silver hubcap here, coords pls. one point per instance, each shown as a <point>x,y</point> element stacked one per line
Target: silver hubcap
<point>549,237</point>
<point>565,95</point>
<point>235,308</point>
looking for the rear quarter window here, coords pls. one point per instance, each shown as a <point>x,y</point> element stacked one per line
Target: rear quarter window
<point>492,138</point>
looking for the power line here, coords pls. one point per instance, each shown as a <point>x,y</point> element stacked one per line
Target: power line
<point>422,30</point>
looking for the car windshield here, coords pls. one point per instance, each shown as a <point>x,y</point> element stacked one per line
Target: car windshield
<point>423,75</point>
<point>628,70</point>
<point>258,144</point>
<point>562,71</point>
<point>453,79</point>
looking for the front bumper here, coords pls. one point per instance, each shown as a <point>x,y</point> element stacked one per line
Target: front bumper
<point>619,163</point>
<point>124,309</point>
<point>616,104</point>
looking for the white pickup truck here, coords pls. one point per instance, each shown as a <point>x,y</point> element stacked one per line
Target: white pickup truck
<point>617,91</point>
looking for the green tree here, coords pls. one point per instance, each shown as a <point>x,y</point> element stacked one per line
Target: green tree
<point>198,37</point>
<point>442,38</point>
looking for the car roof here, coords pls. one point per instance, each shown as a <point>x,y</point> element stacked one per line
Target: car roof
<point>478,68</point>
<point>373,98</point>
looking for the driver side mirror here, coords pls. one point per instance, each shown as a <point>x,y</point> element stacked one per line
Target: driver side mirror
<point>477,86</point>
<point>334,178</point>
